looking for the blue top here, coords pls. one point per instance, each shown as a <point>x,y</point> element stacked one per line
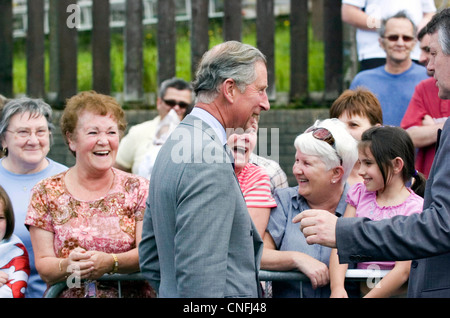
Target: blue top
<point>288,237</point>
<point>394,91</point>
<point>18,187</point>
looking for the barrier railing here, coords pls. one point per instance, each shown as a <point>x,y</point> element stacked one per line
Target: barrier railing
<point>351,275</point>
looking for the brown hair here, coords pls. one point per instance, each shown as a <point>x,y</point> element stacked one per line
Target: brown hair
<point>360,102</point>
<point>388,142</point>
<point>9,213</point>
<point>93,102</point>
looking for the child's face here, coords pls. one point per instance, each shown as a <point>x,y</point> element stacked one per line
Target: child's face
<point>2,220</point>
<point>369,170</point>
<point>242,144</point>
<point>356,124</point>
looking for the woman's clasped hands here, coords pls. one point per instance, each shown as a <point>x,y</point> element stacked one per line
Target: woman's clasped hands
<point>88,264</point>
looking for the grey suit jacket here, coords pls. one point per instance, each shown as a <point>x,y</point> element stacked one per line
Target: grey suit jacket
<point>423,238</point>
<point>198,238</point>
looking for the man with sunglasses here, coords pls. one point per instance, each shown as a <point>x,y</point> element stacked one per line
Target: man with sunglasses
<point>366,16</point>
<point>394,82</point>
<point>174,93</point>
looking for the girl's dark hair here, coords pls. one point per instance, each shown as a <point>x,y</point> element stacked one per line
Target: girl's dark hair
<point>9,213</point>
<point>387,143</point>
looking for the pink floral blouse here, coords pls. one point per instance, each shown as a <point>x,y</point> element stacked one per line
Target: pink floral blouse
<point>107,224</point>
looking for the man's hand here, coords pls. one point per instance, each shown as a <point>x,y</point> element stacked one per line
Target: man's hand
<point>318,226</point>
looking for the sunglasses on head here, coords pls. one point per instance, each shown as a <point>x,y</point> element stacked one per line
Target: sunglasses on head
<point>395,37</point>
<point>173,103</point>
<point>324,134</point>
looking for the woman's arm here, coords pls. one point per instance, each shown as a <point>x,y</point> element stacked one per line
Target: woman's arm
<point>82,263</point>
<point>128,262</point>
<point>53,269</point>
<point>392,282</point>
<point>260,217</point>
<point>337,270</point>
<point>272,259</point>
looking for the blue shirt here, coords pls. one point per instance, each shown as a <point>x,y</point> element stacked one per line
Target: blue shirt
<point>18,187</point>
<point>394,91</point>
<point>288,237</point>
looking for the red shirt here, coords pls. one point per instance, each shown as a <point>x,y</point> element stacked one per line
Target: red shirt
<point>255,186</point>
<point>425,101</point>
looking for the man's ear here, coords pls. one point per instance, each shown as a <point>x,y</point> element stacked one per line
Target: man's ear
<point>380,42</point>
<point>229,89</point>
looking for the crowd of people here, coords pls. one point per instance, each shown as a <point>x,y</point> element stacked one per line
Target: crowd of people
<point>184,199</point>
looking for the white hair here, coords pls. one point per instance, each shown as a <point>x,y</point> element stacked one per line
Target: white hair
<point>345,144</point>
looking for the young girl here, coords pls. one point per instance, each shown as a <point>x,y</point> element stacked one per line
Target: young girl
<point>14,262</point>
<point>386,155</point>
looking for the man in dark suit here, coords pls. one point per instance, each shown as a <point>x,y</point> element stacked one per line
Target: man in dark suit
<point>424,237</point>
<point>198,239</point>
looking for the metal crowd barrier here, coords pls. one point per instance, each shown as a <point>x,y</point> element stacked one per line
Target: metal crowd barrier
<point>352,275</point>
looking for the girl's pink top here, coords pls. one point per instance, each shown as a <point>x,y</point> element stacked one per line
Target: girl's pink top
<point>367,206</point>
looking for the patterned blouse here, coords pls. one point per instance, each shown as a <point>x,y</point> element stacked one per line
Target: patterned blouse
<point>107,224</point>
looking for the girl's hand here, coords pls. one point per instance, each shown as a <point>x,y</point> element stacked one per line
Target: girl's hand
<point>338,293</point>
<point>3,278</point>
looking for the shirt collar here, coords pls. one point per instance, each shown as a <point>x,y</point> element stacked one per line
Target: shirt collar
<point>212,122</point>
<point>299,202</point>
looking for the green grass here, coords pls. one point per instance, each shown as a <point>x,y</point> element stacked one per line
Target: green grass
<point>282,58</point>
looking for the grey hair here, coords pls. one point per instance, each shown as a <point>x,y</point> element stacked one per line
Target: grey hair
<point>345,144</point>
<point>35,107</point>
<point>441,23</point>
<point>230,59</point>
<point>399,15</point>
<point>174,82</point>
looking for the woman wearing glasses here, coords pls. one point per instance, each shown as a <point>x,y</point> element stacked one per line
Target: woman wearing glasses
<point>325,156</point>
<point>25,134</point>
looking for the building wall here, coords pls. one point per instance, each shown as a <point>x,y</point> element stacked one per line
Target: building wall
<point>287,124</point>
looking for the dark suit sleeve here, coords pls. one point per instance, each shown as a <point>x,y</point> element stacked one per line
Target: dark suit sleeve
<point>402,238</point>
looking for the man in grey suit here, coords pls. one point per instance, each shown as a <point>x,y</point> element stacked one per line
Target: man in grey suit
<point>198,239</point>
<point>424,237</point>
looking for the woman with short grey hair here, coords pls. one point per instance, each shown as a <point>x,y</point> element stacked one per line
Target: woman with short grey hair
<point>25,134</point>
<point>326,154</point>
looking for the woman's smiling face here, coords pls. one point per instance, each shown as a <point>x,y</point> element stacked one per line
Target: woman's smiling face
<point>312,175</point>
<point>27,139</point>
<point>95,141</point>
